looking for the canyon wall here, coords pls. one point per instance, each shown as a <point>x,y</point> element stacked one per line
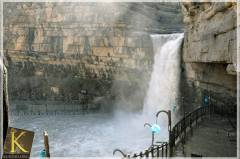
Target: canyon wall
<point>89,55</point>
<point>210,55</point>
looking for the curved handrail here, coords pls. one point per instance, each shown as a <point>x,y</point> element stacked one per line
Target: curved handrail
<point>168,113</point>
<point>118,150</point>
<point>180,127</point>
<point>147,124</point>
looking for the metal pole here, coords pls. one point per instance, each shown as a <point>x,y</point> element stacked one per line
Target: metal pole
<point>170,140</point>
<point>169,127</point>
<point>147,124</point>
<point>183,105</point>
<point>185,127</point>
<point>152,138</point>
<point>46,144</point>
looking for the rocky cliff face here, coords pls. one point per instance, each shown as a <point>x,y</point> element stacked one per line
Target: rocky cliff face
<point>83,53</point>
<point>210,54</point>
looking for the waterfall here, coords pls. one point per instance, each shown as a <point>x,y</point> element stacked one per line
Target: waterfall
<point>163,89</point>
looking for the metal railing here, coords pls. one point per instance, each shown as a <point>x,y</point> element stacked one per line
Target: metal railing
<point>180,129</point>
<point>153,151</point>
<point>176,133</point>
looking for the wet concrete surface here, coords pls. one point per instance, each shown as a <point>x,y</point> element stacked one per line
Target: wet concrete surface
<point>213,137</point>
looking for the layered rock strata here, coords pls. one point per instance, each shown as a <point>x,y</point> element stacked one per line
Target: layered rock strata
<point>210,54</point>
<point>95,55</point>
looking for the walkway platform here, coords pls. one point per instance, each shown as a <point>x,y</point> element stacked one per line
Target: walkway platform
<point>213,137</point>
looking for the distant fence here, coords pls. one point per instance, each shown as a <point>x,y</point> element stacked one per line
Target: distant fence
<point>21,108</point>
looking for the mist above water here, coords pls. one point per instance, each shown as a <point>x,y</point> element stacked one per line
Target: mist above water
<point>90,135</point>
<point>97,135</point>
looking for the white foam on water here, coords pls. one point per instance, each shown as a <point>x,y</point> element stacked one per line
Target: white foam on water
<point>91,135</point>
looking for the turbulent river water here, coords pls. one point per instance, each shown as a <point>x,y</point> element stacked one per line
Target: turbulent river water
<point>87,135</point>
<point>99,134</point>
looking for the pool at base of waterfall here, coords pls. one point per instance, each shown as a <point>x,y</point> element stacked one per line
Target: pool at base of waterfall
<point>97,135</point>
<point>89,135</point>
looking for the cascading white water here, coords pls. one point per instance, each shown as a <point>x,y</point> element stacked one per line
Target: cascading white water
<point>163,88</point>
